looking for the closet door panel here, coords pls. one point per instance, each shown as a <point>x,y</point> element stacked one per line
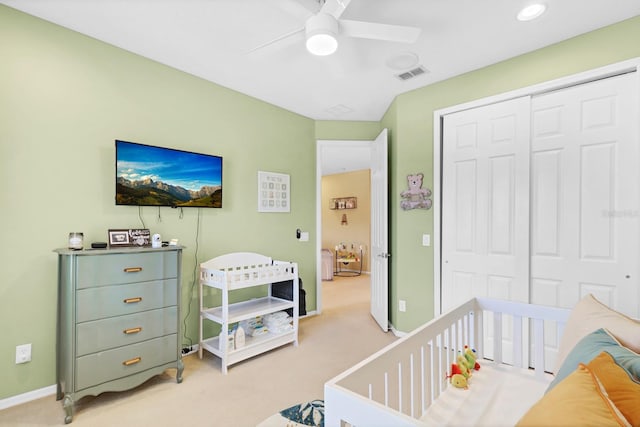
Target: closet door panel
<point>485,218</point>
<point>465,202</point>
<point>597,198</point>
<point>501,205</point>
<point>546,203</point>
<point>585,189</point>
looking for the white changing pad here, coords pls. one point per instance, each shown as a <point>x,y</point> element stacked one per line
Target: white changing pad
<point>498,395</point>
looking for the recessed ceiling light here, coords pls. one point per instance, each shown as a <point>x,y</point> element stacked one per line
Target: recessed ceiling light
<point>531,12</point>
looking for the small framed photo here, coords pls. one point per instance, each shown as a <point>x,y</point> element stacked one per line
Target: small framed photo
<point>130,237</point>
<point>140,237</point>
<point>119,238</point>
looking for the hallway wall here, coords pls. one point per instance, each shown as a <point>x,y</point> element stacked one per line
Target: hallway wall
<point>358,229</point>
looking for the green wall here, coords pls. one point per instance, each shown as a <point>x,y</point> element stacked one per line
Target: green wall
<point>411,117</point>
<point>65,97</point>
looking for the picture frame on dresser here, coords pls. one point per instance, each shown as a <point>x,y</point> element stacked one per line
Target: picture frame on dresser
<point>130,237</point>
<point>119,237</point>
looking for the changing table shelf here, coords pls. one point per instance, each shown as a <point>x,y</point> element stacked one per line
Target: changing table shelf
<point>243,270</point>
<point>247,309</point>
<point>254,346</point>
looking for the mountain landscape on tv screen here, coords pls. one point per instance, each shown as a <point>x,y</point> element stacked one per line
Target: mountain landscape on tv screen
<point>148,192</point>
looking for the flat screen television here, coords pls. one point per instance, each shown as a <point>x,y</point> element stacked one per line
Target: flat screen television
<point>158,176</point>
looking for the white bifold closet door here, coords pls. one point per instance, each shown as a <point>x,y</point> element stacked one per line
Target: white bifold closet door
<point>540,199</point>
<point>485,215</point>
<point>584,194</point>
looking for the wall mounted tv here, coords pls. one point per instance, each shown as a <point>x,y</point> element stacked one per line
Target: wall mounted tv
<point>157,176</point>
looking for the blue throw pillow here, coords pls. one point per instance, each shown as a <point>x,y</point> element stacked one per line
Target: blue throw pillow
<point>592,345</point>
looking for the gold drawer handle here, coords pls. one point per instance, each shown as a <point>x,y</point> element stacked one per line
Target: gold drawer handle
<point>132,300</point>
<point>132,269</point>
<point>132,330</point>
<point>132,361</point>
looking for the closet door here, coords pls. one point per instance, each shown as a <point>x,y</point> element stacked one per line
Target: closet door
<point>575,220</point>
<point>485,203</point>
<point>585,212</point>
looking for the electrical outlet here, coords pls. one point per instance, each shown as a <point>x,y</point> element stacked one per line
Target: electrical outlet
<point>23,353</point>
<point>402,305</point>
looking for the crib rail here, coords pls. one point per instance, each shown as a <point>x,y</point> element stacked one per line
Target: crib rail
<point>397,385</point>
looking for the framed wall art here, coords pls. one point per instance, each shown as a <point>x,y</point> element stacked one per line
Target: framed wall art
<point>273,192</point>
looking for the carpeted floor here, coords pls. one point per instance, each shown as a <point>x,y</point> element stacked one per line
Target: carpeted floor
<point>253,391</point>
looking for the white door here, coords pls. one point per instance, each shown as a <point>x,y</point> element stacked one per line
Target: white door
<point>485,207</point>
<point>582,198</point>
<point>379,232</point>
<point>585,186</point>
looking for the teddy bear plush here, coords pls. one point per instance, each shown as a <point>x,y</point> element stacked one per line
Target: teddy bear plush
<point>415,197</point>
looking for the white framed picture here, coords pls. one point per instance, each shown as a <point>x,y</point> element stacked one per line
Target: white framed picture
<point>273,192</point>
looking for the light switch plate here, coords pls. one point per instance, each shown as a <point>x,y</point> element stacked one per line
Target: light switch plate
<point>426,240</point>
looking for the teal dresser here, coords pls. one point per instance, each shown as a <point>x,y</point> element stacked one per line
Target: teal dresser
<point>118,319</point>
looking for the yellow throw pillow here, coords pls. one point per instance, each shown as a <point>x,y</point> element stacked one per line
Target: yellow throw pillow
<point>588,315</point>
<point>623,390</point>
<point>579,400</point>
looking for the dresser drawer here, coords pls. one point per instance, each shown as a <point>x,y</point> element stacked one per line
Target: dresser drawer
<point>104,334</point>
<point>98,368</point>
<point>108,301</point>
<point>125,268</point>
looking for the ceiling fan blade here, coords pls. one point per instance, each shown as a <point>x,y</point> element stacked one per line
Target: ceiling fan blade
<point>373,30</point>
<point>277,39</point>
<point>296,9</point>
<point>335,7</point>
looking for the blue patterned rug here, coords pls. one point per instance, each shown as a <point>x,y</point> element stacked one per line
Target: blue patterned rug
<point>304,414</point>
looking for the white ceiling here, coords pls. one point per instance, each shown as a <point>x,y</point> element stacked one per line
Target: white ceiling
<point>211,39</point>
<point>347,156</point>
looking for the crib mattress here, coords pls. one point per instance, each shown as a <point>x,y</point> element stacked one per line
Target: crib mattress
<point>498,395</point>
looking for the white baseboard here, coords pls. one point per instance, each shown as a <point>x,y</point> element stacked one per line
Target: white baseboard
<point>48,391</point>
<point>27,397</point>
<point>396,332</point>
<point>309,314</point>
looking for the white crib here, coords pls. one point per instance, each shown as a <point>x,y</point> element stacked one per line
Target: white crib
<point>405,383</point>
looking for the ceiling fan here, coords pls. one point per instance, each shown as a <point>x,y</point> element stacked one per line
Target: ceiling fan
<point>322,27</point>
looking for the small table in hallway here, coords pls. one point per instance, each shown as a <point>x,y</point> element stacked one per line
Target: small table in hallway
<point>345,257</point>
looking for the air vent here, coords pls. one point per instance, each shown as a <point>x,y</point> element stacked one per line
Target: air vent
<point>339,110</point>
<point>415,72</point>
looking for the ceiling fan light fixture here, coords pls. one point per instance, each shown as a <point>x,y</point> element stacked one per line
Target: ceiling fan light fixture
<point>322,44</point>
<point>321,31</point>
<point>531,11</point>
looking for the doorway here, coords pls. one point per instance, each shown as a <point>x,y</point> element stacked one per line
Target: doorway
<point>337,157</point>
<point>344,176</point>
